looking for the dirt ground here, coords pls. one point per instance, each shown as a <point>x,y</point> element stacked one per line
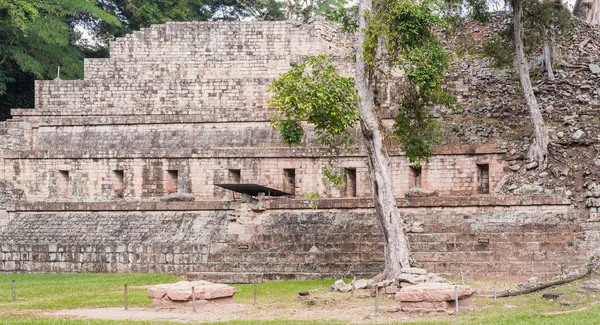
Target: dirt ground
<point>229,312</point>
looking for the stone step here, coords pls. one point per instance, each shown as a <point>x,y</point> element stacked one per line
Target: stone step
<point>495,246</point>
<point>196,67</point>
<point>297,257</point>
<point>493,237</point>
<point>500,270</point>
<point>287,267</point>
<point>258,277</point>
<point>508,257</point>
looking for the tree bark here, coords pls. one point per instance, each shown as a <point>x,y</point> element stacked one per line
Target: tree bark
<point>547,57</point>
<point>577,8</point>
<point>593,17</point>
<point>538,151</point>
<point>397,253</point>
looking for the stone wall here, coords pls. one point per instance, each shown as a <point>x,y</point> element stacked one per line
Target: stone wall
<point>144,176</point>
<point>477,237</point>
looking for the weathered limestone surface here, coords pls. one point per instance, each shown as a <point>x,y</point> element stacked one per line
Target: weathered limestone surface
<point>181,295</point>
<point>434,297</point>
<point>88,176</point>
<point>239,245</point>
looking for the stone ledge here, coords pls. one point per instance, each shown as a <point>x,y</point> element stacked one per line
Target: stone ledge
<point>269,152</point>
<point>291,204</point>
<point>423,202</point>
<point>119,206</point>
<point>259,277</point>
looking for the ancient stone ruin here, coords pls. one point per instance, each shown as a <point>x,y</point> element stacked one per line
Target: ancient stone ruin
<point>163,160</point>
<point>184,294</point>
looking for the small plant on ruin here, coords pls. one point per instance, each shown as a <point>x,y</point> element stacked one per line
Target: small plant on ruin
<point>312,198</point>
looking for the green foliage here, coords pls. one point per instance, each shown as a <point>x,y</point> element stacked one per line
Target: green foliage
<point>36,36</point>
<point>456,13</point>
<point>135,14</point>
<point>415,129</point>
<point>313,199</point>
<point>543,21</point>
<point>313,91</point>
<point>406,29</point>
<point>501,49</point>
<point>307,10</point>
<point>403,26</point>
<point>332,176</point>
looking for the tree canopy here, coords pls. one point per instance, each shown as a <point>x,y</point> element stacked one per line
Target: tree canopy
<point>135,14</point>
<point>36,37</point>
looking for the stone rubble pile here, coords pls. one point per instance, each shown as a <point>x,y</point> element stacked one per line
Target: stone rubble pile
<point>493,109</point>
<point>179,295</point>
<point>416,290</point>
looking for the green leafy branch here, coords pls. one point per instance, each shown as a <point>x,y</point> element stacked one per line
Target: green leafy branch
<point>313,91</point>
<point>405,29</point>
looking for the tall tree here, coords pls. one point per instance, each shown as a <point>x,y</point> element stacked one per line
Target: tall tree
<point>397,252</point>
<point>593,17</point>
<point>538,150</point>
<point>391,34</point>
<point>536,25</point>
<point>577,8</point>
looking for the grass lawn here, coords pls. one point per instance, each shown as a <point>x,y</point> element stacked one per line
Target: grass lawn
<point>75,290</point>
<point>39,293</point>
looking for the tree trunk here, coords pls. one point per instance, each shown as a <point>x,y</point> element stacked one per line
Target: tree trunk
<point>538,151</point>
<point>397,254</point>
<point>547,57</point>
<point>577,8</point>
<point>593,17</point>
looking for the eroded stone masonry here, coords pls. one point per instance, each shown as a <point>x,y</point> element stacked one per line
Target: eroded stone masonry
<point>117,173</point>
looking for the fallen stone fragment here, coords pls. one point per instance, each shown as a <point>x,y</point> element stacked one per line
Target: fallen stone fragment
<point>577,135</point>
<point>433,297</point>
<point>179,294</point>
<point>434,278</point>
<point>391,289</point>
<point>514,168</point>
<point>419,192</point>
<point>362,283</point>
<point>591,285</point>
<point>433,292</point>
<point>341,286</point>
<point>173,197</point>
<point>528,189</point>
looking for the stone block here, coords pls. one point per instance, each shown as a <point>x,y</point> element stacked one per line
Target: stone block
<point>432,292</point>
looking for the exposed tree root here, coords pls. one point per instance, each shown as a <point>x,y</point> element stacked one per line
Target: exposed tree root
<point>542,286</point>
<point>592,265</point>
